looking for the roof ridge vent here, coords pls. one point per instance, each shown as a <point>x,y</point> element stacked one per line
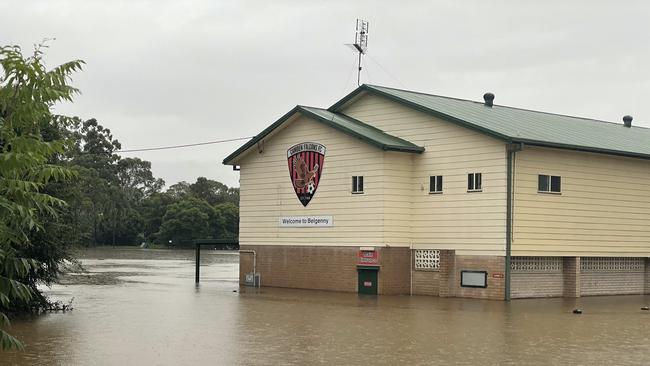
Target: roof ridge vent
<point>627,121</point>
<point>489,99</point>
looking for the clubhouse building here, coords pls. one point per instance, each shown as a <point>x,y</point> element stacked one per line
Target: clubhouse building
<point>391,191</point>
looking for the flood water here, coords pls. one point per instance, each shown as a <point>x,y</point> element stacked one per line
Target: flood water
<point>140,307</point>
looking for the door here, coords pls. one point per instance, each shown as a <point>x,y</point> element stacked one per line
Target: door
<point>368,281</point>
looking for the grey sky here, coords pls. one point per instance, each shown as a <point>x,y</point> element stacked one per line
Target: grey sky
<point>174,72</point>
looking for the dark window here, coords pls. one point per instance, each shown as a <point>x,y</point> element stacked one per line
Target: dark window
<point>543,183</point>
<point>357,184</point>
<point>474,182</point>
<point>435,184</point>
<point>556,184</point>
<point>549,183</point>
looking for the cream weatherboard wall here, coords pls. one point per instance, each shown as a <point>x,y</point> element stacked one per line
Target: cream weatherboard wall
<point>470,223</point>
<point>398,169</point>
<point>359,219</point>
<point>603,209</point>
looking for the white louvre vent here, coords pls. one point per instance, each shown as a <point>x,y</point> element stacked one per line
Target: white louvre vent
<point>597,264</point>
<point>427,259</point>
<point>536,264</point>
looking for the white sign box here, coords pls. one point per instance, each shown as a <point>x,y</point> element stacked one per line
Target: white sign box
<point>306,221</point>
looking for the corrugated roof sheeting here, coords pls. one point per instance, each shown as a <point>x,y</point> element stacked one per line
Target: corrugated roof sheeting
<point>532,126</point>
<point>366,132</point>
<point>345,124</point>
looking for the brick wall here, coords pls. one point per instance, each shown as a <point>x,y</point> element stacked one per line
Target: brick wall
<point>335,268</point>
<point>612,283</point>
<point>394,278</point>
<point>647,275</point>
<point>447,287</point>
<point>324,268</point>
<point>575,282</point>
<point>426,283</point>
<point>446,281</point>
<point>571,273</point>
<point>493,265</point>
<point>526,285</point>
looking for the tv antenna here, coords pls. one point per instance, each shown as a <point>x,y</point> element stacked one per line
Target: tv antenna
<point>360,43</point>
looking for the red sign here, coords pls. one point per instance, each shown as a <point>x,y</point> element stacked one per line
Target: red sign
<point>368,258</point>
<point>497,275</point>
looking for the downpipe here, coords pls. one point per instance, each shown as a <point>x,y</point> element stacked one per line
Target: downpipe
<point>512,149</point>
<point>259,284</point>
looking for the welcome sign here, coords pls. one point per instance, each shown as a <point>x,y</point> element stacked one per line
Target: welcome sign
<point>306,221</point>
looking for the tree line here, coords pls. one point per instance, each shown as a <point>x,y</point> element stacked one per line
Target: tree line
<point>63,184</point>
<point>116,200</point>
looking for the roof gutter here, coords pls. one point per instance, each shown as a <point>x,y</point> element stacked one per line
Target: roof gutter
<point>585,149</point>
<point>511,150</point>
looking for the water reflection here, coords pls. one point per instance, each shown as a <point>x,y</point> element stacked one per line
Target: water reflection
<point>141,307</point>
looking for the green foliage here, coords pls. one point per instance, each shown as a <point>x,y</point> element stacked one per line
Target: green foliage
<point>28,91</point>
<point>211,191</point>
<point>62,183</point>
<point>153,209</point>
<point>118,201</point>
<point>201,210</point>
<point>226,224</point>
<point>186,220</point>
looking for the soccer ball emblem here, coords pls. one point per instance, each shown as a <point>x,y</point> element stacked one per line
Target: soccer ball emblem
<point>310,188</point>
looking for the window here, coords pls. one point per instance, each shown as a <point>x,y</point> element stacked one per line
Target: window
<point>473,279</point>
<point>357,184</point>
<point>427,259</point>
<point>474,182</point>
<point>435,184</point>
<point>549,183</point>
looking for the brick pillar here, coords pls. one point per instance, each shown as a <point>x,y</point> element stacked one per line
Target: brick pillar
<point>394,276</point>
<point>245,265</point>
<point>571,272</point>
<point>447,273</point>
<point>647,276</point>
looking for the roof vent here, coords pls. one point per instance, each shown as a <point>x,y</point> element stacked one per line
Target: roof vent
<point>489,99</point>
<point>627,121</point>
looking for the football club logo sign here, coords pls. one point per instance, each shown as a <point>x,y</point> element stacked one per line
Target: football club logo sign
<point>305,167</point>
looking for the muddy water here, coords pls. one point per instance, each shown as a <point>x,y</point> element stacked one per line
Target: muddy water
<point>140,307</point>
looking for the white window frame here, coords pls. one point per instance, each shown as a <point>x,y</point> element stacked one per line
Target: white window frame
<point>437,183</point>
<point>476,178</point>
<point>548,183</point>
<point>357,184</point>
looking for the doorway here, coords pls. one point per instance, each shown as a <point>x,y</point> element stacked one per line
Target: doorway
<point>368,280</point>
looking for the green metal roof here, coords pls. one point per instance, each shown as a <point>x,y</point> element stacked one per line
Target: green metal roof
<point>521,125</point>
<point>343,123</point>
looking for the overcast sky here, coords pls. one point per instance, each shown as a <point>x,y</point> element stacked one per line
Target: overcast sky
<point>173,72</point>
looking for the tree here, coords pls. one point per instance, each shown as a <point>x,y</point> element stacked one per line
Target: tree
<point>213,192</point>
<point>95,148</point>
<point>186,220</point>
<point>27,94</point>
<point>179,190</point>
<point>105,200</point>
<point>136,179</point>
<point>226,224</point>
<point>153,209</point>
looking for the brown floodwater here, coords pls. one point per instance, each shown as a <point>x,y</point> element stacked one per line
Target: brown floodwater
<point>140,307</point>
